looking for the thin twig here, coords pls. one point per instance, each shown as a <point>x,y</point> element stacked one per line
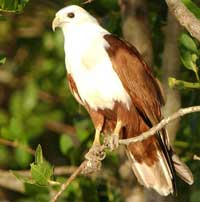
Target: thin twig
<point>17,144</point>
<point>69,180</point>
<point>185,17</point>
<point>175,83</point>
<point>163,123</point>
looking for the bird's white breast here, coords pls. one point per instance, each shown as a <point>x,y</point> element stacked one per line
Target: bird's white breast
<point>90,66</point>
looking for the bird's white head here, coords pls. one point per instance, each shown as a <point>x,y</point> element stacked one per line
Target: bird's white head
<point>72,15</point>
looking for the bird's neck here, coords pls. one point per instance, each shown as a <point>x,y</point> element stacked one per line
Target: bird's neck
<point>82,35</point>
<point>81,40</point>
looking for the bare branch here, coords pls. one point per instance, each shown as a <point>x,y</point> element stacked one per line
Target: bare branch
<point>185,17</point>
<point>69,180</point>
<point>163,123</point>
<point>9,181</point>
<point>17,144</point>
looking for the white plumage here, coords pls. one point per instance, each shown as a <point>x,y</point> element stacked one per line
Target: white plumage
<point>90,66</point>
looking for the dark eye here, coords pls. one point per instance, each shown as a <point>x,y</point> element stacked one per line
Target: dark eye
<point>70,15</point>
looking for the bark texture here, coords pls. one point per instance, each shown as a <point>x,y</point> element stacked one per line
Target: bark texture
<point>185,17</point>
<point>135,27</point>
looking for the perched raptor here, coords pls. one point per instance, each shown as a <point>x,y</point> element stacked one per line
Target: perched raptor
<point>110,79</point>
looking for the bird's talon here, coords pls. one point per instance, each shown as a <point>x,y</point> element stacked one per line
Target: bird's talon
<point>112,141</point>
<point>96,153</point>
<point>92,166</point>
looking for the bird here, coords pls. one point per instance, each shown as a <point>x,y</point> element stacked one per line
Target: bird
<point>109,78</point>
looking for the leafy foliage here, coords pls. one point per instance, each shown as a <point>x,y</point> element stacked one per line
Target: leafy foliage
<point>12,5</point>
<point>41,170</point>
<point>192,7</point>
<point>190,57</point>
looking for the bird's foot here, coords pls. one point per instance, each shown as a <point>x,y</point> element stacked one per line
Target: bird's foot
<point>111,141</point>
<point>94,157</point>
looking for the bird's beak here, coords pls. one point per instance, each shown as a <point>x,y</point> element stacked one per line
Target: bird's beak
<point>56,23</point>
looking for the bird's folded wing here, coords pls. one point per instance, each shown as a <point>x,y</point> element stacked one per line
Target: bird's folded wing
<point>136,78</point>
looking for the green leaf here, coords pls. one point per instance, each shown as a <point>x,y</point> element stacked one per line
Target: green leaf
<point>22,157</point>
<point>5,155</point>
<point>16,128</point>
<point>188,43</point>
<point>65,143</point>
<point>5,133</point>
<point>192,7</point>
<point>30,97</point>
<point>15,104</point>
<point>39,155</point>
<point>82,130</point>
<point>12,5</point>
<point>41,173</point>
<point>188,60</point>
<point>2,59</point>
<point>3,118</point>
<point>41,170</point>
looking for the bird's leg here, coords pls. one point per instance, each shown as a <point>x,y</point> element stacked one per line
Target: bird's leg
<point>96,151</point>
<point>95,155</point>
<point>112,141</point>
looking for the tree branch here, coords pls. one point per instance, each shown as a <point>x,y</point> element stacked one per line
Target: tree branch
<point>185,17</point>
<point>163,123</point>
<point>17,144</point>
<point>69,180</point>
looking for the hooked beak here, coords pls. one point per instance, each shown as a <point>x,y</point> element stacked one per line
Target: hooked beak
<point>56,23</point>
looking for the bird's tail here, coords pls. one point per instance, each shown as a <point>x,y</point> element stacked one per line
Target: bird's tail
<point>154,165</point>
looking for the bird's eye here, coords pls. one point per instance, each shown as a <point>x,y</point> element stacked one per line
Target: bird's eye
<point>70,15</point>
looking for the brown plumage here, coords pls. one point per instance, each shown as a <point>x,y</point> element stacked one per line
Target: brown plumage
<point>151,159</point>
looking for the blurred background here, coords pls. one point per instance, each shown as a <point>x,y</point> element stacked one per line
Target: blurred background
<point>36,106</point>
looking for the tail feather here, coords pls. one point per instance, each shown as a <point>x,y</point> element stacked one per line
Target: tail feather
<point>160,176</point>
<point>157,176</point>
<point>182,170</point>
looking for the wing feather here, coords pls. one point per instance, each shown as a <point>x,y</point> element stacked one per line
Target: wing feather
<point>136,78</point>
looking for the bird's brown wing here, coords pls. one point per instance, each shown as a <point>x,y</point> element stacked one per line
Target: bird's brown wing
<point>146,96</point>
<point>136,78</point>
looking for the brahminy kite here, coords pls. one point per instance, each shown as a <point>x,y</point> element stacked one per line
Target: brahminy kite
<point>108,76</point>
